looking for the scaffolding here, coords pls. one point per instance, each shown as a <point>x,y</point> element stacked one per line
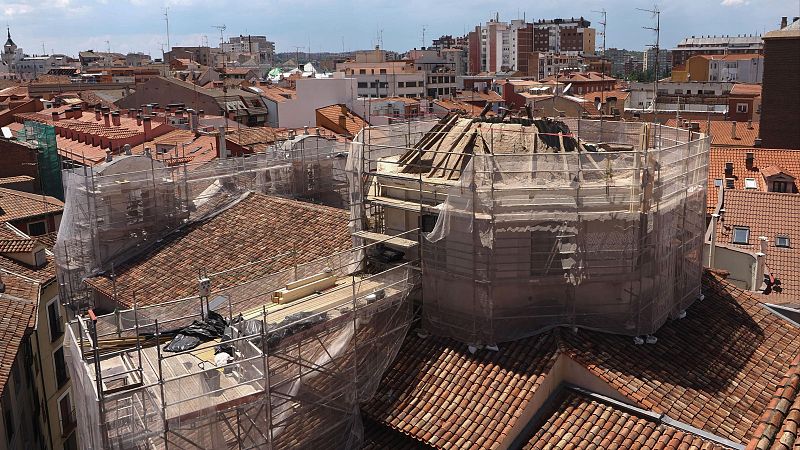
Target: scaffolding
<point>122,207</point>
<point>531,224</point>
<point>49,164</point>
<point>297,373</point>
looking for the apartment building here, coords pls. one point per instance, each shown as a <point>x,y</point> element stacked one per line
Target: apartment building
<point>258,48</point>
<point>564,35</point>
<point>376,77</point>
<point>742,68</point>
<point>716,45</point>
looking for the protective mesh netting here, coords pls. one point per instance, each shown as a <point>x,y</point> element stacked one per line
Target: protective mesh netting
<point>297,380</point>
<point>118,210</point>
<point>526,240</point>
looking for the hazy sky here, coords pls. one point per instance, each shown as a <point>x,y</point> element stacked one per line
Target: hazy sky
<point>66,26</point>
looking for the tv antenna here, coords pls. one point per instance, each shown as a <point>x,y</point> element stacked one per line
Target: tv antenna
<point>603,58</point>
<point>166,19</point>
<point>423,37</point>
<point>656,14</point>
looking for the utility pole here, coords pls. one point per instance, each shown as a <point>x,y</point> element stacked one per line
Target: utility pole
<point>297,54</point>
<point>655,12</point>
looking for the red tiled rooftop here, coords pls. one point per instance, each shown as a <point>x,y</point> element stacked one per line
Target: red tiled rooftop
<point>768,214</point>
<point>714,370</point>
<point>722,132</point>
<point>353,123</point>
<point>255,229</point>
<point>15,205</point>
<point>581,422</point>
<point>763,157</point>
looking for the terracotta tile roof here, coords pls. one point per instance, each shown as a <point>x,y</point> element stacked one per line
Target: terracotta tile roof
<point>15,205</point>
<point>255,229</point>
<point>353,123</point>
<point>438,393</point>
<point>276,93</point>
<point>199,149</point>
<point>381,437</point>
<point>18,245</point>
<point>580,422</point>
<point>777,428</point>
<point>763,157</point>
<point>769,214</point>
<point>19,315</point>
<point>748,90</point>
<point>714,370</point>
<point>771,171</point>
<point>259,138</point>
<point>42,274</point>
<point>721,132</point>
<point>470,109</point>
<point>17,179</point>
<point>478,96</point>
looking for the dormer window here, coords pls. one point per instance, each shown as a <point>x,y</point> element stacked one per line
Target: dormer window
<point>782,241</point>
<point>780,186</point>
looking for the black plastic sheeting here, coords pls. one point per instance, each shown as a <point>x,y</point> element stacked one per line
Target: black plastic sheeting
<point>187,338</point>
<point>291,324</point>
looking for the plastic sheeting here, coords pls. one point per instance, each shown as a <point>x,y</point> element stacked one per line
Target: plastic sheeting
<point>295,380</point>
<point>525,241</point>
<point>117,210</point>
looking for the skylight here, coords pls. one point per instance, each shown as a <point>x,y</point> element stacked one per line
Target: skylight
<point>782,241</point>
<point>750,183</point>
<point>741,235</point>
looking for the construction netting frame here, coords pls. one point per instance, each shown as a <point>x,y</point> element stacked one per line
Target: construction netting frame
<point>120,209</point>
<point>526,241</point>
<point>49,163</point>
<point>297,381</point>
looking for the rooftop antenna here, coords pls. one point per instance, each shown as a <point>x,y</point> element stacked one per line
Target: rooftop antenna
<point>166,18</point>
<point>221,29</point>
<point>108,46</point>
<point>603,60</point>
<point>657,15</point>
<point>423,37</point>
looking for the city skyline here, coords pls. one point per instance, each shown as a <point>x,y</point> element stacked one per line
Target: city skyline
<point>327,26</point>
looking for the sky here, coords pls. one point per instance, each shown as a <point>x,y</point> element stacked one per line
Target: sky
<point>67,26</point>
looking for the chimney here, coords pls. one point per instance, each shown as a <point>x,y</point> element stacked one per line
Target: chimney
<point>127,149</point>
<point>784,20</point>
<point>728,169</point>
<point>115,118</point>
<point>146,123</point>
<point>54,115</point>
<point>109,158</point>
<point>343,122</point>
<point>193,120</point>
<point>305,130</point>
<point>201,113</point>
<point>138,119</point>
<point>221,146</point>
<point>147,152</point>
<point>733,130</point>
<point>750,158</point>
<point>106,119</point>
<point>77,112</point>
<point>97,113</point>
<point>750,124</point>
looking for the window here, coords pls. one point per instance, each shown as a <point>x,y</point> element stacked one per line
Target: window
<point>718,182</point>
<point>362,71</point>
<point>729,183</point>
<point>782,241</point>
<point>741,107</point>
<point>54,320</point>
<point>383,71</point>
<point>741,235</point>
<point>37,228</point>
<point>66,413</point>
<point>362,85</point>
<point>780,186</point>
<point>61,367</point>
<point>750,183</point>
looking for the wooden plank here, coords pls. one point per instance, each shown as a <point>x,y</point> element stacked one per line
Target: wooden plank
<point>396,241</point>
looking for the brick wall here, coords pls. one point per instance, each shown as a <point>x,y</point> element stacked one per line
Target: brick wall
<point>18,159</point>
<point>780,105</point>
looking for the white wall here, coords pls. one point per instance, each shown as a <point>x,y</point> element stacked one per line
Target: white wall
<point>313,93</point>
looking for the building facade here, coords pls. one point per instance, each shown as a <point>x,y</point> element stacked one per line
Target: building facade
<point>716,45</point>
<point>781,97</point>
